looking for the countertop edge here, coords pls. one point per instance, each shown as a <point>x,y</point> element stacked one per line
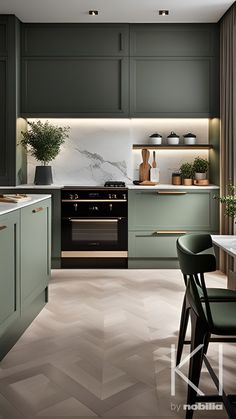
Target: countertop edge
<point>6,207</point>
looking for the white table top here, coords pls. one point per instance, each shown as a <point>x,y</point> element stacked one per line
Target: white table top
<point>226,243</point>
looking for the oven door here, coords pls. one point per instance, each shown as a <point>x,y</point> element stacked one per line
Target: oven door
<point>96,237</point>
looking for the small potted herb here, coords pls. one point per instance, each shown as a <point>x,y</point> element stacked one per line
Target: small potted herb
<point>200,168</point>
<point>186,173</point>
<point>43,140</point>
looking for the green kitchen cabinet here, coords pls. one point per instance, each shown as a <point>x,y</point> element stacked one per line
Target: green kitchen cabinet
<point>158,217</point>
<point>77,86</point>
<point>174,70</point>
<point>9,276</point>
<point>25,235</point>
<point>35,250</point>
<point>77,40</point>
<point>12,156</point>
<point>75,70</point>
<point>56,218</point>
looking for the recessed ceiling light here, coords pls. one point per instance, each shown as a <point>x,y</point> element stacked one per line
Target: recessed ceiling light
<point>93,12</point>
<point>163,12</point>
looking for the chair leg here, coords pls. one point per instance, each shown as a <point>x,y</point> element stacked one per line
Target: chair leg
<point>199,336</point>
<point>182,329</point>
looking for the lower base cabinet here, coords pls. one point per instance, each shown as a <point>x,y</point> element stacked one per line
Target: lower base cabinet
<point>9,274</point>
<point>25,242</point>
<point>158,217</point>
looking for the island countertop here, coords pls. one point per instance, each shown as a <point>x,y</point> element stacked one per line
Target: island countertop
<point>6,207</point>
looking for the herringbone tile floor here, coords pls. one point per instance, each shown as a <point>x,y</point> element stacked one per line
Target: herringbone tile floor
<point>102,347</point>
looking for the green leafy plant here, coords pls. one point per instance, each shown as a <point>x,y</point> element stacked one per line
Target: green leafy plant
<point>186,171</point>
<point>229,201</point>
<point>43,140</point>
<point>200,165</point>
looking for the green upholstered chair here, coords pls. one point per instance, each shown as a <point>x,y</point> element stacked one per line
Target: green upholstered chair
<point>207,317</point>
<point>200,246</point>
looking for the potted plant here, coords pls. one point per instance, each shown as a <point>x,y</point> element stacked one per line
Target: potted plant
<point>43,140</point>
<point>229,201</point>
<point>200,168</point>
<point>186,173</point>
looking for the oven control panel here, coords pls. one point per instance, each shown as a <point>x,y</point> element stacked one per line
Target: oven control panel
<point>95,195</point>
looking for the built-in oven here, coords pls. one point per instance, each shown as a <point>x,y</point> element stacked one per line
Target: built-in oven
<point>94,228</point>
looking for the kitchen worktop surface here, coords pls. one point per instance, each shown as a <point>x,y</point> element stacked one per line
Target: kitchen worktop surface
<point>6,207</point>
<point>129,186</point>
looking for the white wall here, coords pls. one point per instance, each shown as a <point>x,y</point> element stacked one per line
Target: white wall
<point>101,149</point>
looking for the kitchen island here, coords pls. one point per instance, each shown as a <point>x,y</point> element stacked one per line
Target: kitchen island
<point>25,259</point>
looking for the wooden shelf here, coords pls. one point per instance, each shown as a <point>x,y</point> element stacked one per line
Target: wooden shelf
<point>173,147</point>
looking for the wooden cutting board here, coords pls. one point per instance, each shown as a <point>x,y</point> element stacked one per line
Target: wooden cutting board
<point>144,167</point>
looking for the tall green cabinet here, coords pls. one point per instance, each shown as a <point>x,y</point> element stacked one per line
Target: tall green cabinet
<point>12,156</point>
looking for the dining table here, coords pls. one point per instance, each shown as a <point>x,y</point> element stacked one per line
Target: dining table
<point>227,243</point>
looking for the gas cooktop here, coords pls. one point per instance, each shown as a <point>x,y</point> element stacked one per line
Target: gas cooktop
<point>114,184</point>
<point>108,184</point>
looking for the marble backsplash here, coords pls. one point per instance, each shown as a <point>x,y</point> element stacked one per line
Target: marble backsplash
<point>101,149</point>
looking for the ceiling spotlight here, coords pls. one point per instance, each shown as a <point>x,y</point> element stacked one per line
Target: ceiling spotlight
<point>93,12</point>
<point>163,12</point>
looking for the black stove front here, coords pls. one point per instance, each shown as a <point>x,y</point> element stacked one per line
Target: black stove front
<point>94,227</point>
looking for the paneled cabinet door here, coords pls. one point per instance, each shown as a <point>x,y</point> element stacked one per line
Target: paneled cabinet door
<point>35,250</point>
<point>170,87</point>
<point>9,263</point>
<point>90,86</point>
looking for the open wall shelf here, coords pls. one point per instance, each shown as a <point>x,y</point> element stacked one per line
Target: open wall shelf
<point>173,147</point>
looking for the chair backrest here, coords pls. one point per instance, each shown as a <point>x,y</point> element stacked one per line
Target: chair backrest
<point>196,256</point>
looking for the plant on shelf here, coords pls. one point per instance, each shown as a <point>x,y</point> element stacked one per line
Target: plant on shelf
<point>43,141</point>
<point>229,201</point>
<point>200,167</point>
<point>186,173</point>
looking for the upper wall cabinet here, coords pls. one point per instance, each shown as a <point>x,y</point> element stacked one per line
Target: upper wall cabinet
<point>174,70</point>
<point>56,40</point>
<point>119,70</point>
<point>75,70</point>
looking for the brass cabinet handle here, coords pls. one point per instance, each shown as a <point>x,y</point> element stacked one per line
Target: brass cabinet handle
<point>170,232</point>
<point>172,192</point>
<point>2,227</point>
<point>37,209</point>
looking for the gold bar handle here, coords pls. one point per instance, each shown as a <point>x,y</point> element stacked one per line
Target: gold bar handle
<point>172,192</point>
<point>2,227</point>
<point>170,232</point>
<point>37,209</point>
<point>96,220</point>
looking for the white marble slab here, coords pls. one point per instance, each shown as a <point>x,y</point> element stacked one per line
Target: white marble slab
<point>128,185</point>
<point>172,187</point>
<point>226,243</point>
<point>101,149</point>
<point>6,207</point>
<point>33,186</point>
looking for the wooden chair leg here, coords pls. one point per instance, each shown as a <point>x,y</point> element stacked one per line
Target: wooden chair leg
<point>199,336</point>
<point>182,329</point>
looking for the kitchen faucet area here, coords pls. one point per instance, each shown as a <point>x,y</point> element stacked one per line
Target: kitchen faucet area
<point>117,209</point>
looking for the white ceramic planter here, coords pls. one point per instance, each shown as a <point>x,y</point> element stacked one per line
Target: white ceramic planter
<point>200,176</point>
<point>155,140</point>
<point>189,140</point>
<point>173,140</point>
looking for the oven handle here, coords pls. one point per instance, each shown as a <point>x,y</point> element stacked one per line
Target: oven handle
<point>94,200</point>
<point>96,220</point>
